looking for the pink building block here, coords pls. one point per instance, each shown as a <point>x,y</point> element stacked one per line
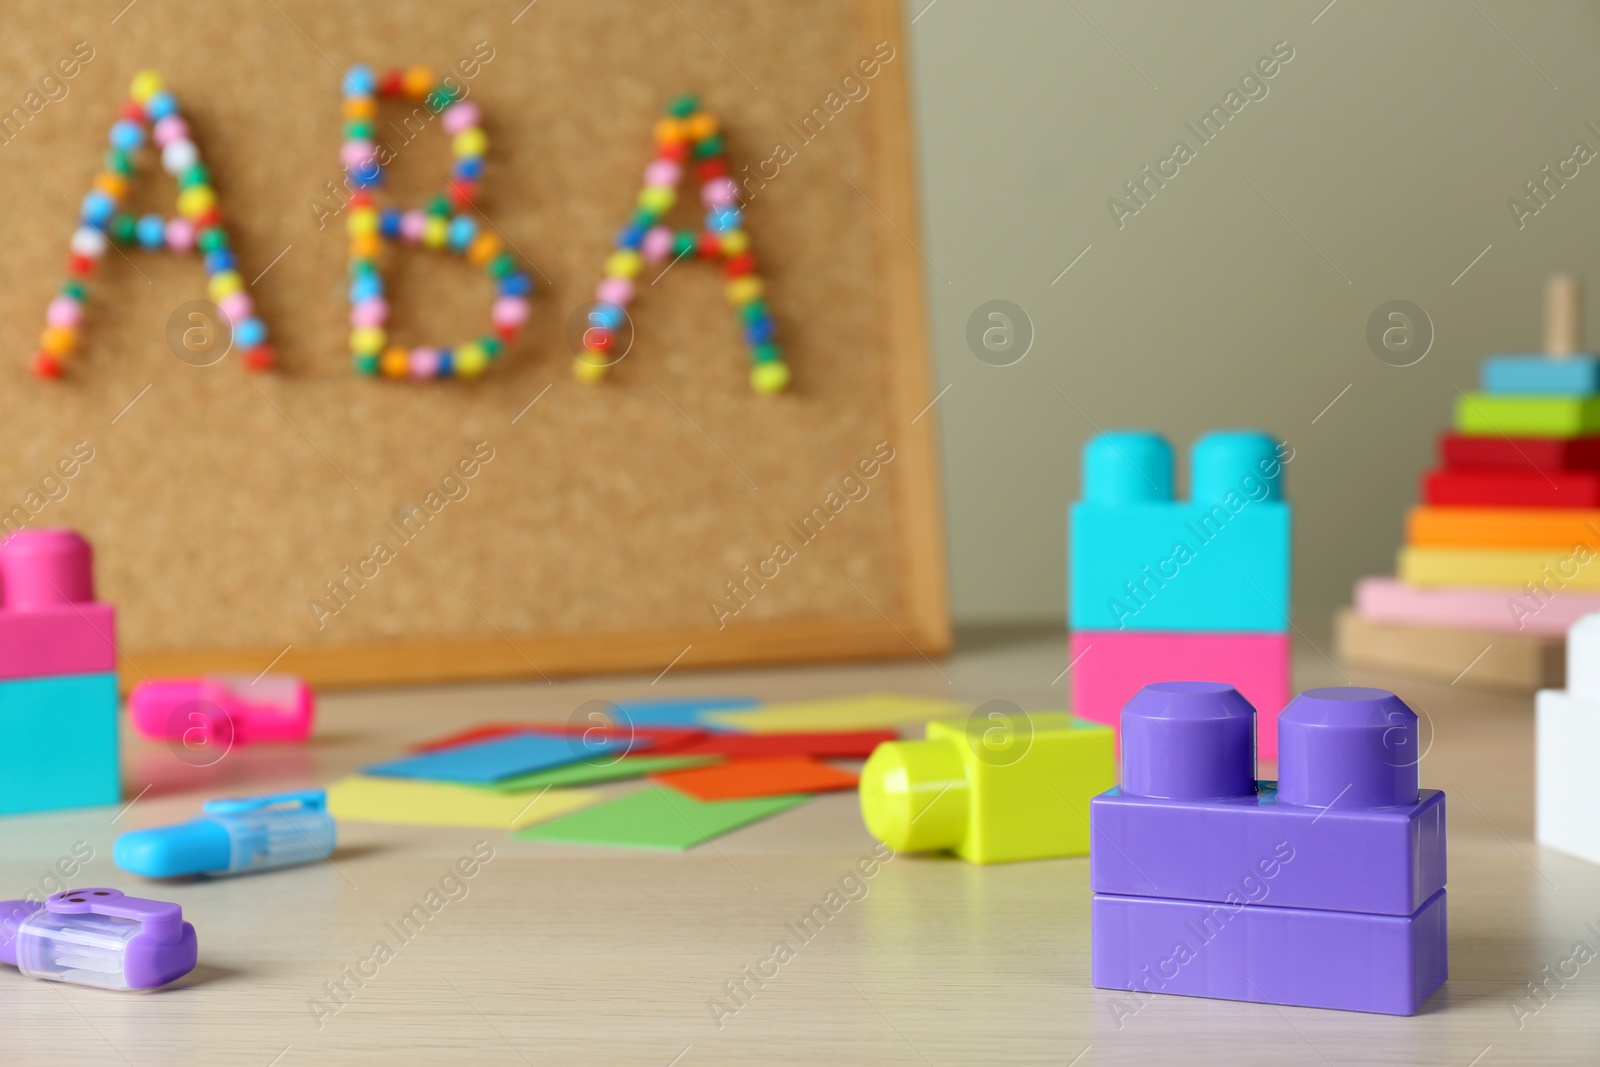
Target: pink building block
<point>1110,666</point>
<point>1549,614</point>
<point>50,623</point>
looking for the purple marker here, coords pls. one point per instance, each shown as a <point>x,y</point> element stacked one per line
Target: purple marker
<point>97,937</point>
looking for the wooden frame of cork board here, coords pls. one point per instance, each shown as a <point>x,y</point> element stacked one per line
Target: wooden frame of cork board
<point>601,526</point>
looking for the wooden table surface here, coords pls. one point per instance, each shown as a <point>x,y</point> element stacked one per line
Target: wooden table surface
<point>574,955</point>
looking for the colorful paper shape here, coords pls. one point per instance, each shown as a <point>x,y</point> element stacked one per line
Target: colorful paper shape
<point>657,818</point>
<point>497,759</point>
<point>659,739</point>
<point>603,770</point>
<point>682,711</point>
<point>741,779</point>
<point>855,744</point>
<point>865,711</point>
<point>398,800</point>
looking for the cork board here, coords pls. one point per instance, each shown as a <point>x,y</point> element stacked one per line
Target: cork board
<point>600,525</point>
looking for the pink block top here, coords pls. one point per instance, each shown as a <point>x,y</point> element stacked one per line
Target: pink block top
<point>44,568</point>
<point>49,621</point>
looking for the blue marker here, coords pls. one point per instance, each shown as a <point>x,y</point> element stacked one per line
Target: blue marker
<point>233,837</point>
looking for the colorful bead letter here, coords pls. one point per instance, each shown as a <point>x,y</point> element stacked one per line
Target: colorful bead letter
<point>151,114</point>
<point>445,225</point>
<point>686,133</point>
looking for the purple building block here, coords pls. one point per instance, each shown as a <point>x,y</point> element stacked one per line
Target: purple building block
<point>1334,876</point>
<point>1345,829</point>
<point>1295,956</point>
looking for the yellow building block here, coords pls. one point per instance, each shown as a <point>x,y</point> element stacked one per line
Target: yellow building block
<point>991,789</point>
<point>1575,567</point>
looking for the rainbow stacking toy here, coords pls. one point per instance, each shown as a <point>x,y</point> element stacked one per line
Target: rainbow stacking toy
<point>1500,555</point>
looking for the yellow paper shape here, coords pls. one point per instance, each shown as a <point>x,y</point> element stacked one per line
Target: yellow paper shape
<point>865,711</point>
<point>419,803</point>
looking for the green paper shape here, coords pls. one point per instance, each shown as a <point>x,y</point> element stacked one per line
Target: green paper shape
<point>657,818</point>
<point>1518,415</point>
<point>590,773</point>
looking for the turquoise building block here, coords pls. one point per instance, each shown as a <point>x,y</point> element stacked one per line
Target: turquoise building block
<point>58,743</point>
<point>1565,376</point>
<point>1141,560</point>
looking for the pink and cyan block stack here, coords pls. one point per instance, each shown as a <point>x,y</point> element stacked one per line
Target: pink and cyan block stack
<point>1498,556</point>
<point>58,682</point>
<point>1162,588</point>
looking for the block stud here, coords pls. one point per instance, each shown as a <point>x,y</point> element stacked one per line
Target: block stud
<point>1234,461</point>
<point>1347,747</point>
<point>1127,467</point>
<point>1188,741</point>
<point>42,568</point>
<point>914,795</point>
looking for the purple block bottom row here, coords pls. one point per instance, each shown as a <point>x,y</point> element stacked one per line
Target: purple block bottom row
<point>1388,964</point>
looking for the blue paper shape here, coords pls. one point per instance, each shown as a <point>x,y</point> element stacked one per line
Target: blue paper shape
<point>500,757</point>
<point>682,711</point>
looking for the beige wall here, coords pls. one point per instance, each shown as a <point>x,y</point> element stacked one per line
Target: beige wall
<point>1376,167</point>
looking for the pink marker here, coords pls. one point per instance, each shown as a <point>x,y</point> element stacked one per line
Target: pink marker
<point>230,709</point>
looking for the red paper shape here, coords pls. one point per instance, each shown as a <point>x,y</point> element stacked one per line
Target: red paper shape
<point>854,744</point>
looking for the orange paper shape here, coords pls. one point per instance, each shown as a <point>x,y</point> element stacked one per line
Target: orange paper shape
<point>741,779</point>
